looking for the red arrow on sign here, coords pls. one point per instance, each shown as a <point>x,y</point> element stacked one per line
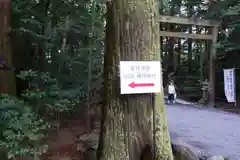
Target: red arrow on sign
<point>133,85</point>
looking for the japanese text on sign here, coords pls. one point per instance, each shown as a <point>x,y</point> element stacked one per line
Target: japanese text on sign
<point>140,77</point>
<point>229,84</point>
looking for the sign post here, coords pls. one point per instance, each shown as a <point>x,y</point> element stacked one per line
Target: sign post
<point>138,77</point>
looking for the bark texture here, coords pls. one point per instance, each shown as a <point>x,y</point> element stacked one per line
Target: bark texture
<point>7,78</point>
<point>132,33</point>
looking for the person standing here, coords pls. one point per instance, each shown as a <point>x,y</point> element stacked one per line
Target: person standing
<point>171,92</point>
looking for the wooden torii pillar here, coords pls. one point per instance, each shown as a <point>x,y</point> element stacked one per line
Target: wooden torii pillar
<point>213,37</point>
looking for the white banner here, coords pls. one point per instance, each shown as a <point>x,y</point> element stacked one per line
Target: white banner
<point>229,84</point>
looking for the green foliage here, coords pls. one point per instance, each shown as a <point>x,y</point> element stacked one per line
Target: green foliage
<point>228,12</point>
<point>21,129</point>
<point>45,93</point>
<point>54,39</point>
<point>191,89</point>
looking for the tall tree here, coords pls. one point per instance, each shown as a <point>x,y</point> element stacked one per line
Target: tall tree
<point>189,41</point>
<point>7,82</point>
<point>132,33</point>
<point>171,41</point>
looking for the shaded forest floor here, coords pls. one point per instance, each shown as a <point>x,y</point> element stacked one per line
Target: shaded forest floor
<point>72,141</point>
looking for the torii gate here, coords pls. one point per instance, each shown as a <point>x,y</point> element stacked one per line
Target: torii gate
<point>213,37</point>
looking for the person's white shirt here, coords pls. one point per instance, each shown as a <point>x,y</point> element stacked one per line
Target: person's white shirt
<point>171,89</point>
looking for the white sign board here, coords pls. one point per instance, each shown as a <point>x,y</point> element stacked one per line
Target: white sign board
<point>140,77</point>
<point>229,84</point>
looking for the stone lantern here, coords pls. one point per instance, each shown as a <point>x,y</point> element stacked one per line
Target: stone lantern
<point>205,87</point>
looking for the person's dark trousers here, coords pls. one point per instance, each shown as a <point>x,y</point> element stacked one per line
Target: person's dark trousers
<point>171,98</point>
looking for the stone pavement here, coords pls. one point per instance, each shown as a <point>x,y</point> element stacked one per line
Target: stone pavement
<point>210,131</point>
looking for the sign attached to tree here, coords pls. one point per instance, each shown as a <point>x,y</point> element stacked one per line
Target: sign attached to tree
<point>140,77</point>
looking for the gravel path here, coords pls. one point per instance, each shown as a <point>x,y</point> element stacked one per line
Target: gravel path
<point>209,130</point>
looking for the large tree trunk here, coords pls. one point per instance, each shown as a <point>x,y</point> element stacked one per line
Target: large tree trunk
<point>190,14</point>
<point>7,78</point>
<point>178,54</point>
<point>132,33</point>
<point>170,43</point>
